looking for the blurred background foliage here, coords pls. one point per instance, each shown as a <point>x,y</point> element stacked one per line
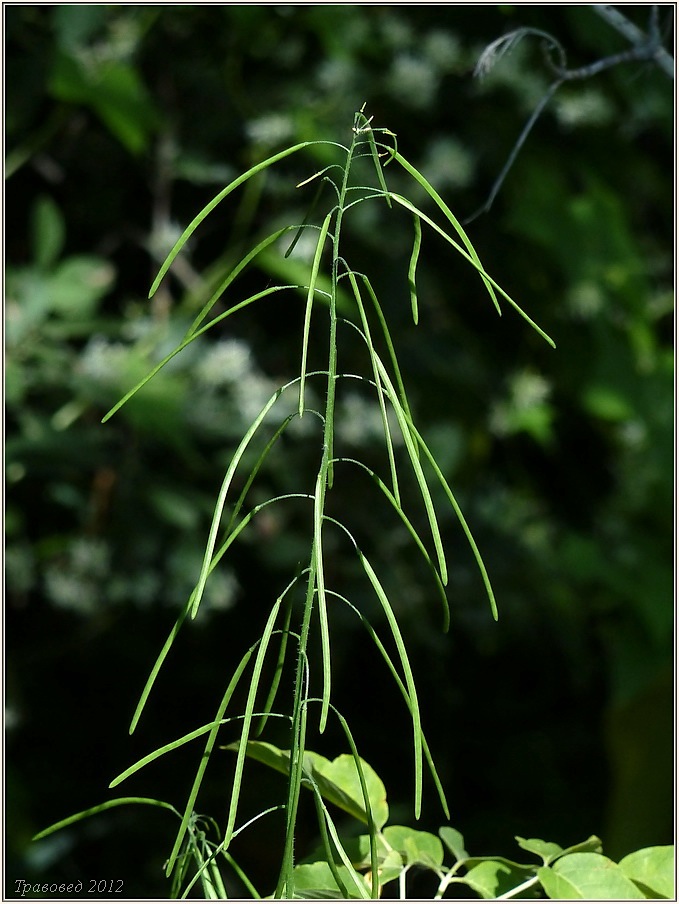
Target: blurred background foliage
<point>121,122</point>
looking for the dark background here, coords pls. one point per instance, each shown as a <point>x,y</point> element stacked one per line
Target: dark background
<point>121,123</point>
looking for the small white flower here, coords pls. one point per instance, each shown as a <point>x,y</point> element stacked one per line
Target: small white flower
<point>413,81</point>
<point>102,361</point>
<point>448,163</point>
<point>529,389</point>
<point>270,129</point>
<point>633,434</point>
<point>396,32</point>
<point>443,50</point>
<point>221,590</point>
<point>585,300</point>
<point>305,247</point>
<point>251,394</point>
<point>336,75</point>
<point>359,421</point>
<point>68,590</point>
<point>584,108</point>
<point>90,557</point>
<point>528,394</point>
<point>163,238</point>
<point>227,361</point>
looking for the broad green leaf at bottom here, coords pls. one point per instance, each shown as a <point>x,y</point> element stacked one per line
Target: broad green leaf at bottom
<point>653,869</point>
<point>337,780</point>
<point>587,876</point>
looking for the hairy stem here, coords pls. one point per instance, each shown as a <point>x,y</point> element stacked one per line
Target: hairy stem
<point>316,585</point>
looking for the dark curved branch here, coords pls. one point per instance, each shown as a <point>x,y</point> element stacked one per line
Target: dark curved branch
<point>647,47</point>
<point>544,100</point>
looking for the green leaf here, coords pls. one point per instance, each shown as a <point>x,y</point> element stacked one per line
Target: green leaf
<point>416,847</point>
<point>556,886</point>
<point>475,861</point>
<point>295,271</point>
<point>607,403</point>
<point>391,866</point>
<point>320,245</point>
<point>76,24</point>
<point>342,774</point>
<point>357,848</point>
<point>198,219</point>
<point>548,850</point>
<point>48,232</point>
<point>16,382</point>
<point>493,877</point>
<point>121,100</point>
<point>209,746</point>
<point>78,284</point>
<point>107,805</point>
<point>176,508</point>
<point>652,869</point>
<point>337,780</point>
<point>473,259</point>
<point>454,841</point>
<point>315,880</point>
<point>431,191</point>
<point>390,862</point>
<point>412,269</point>
<point>28,302</point>
<point>587,875</point>
<point>114,90</point>
<point>413,703</point>
<point>592,845</point>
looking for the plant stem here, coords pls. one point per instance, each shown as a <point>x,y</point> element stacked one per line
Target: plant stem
<point>529,883</point>
<point>315,580</point>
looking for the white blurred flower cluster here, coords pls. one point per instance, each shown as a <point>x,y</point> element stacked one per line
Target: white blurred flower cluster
<point>102,361</point>
<point>74,581</point>
<point>444,50</point>
<point>583,108</point>
<point>413,81</point>
<point>585,299</point>
<point>448,164</point>
<point>525,407</point>
<point>230,390</point>
<point>227,361</point>
<point>359,421</point>
<point>270,129</point>
<point>336,75</point>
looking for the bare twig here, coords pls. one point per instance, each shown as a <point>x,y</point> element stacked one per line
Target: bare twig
<point>544,100</point>
<point>647,46</point>
<point>650,42</point>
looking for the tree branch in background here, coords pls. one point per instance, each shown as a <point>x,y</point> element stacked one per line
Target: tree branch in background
<point>650,41</point>
<point>647,47</point>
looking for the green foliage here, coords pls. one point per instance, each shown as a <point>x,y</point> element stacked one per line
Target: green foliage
<point>347,782</point>
<point>577,872</point>
<point>652,870</point>
<point>325,778</point>
<point>587,876</point>
<point>84,73</point>
<point>562,462</point>
<point>348,195</point>
<point>338,780</point>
